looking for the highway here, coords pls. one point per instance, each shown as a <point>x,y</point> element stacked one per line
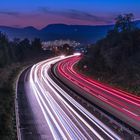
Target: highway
<point>56,114</point>
<point>122,105</point>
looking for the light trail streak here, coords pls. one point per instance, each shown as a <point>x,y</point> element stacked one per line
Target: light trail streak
<point>124,102</point>
<point>90,89</point>
<point>99,124</point>
<point>77,105</point>
<point>63,120</point>
<point>121,94</point>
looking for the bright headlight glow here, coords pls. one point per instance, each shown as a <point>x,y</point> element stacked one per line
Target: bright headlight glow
<point>62,56</point>
<point>77,54</point>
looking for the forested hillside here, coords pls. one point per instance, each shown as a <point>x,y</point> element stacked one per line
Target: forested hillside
<point>115,59</point>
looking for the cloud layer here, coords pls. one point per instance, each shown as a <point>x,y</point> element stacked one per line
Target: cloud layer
<point>9,13</point>
<point>78,15</point>
<point>43,16</point>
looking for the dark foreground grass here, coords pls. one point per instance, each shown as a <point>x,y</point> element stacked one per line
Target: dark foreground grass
<point>7,97</point>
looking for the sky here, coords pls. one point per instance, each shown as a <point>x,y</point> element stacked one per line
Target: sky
<point>40,13</point>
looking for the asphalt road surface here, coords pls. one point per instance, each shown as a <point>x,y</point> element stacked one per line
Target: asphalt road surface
<point>47,112</point>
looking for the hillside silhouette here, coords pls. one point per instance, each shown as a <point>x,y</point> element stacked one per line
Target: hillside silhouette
<point>115,59</point>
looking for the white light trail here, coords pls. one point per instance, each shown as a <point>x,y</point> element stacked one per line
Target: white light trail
<point>61,124</point>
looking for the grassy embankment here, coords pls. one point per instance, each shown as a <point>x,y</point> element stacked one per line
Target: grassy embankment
<point>8,76</point>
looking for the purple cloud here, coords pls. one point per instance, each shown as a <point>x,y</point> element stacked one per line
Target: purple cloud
<point>10,13</point>
<point>78,15</point>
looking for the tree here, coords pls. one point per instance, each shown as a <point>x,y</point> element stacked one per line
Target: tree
<point>119,23</point>
<point>36,44</point>
<point>124,22</point>
<point>5,59</point>
<point>128,19</point>
<point>22,49</point>
<point>67,49</point>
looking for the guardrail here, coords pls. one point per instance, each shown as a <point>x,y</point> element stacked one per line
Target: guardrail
<point>16,105</point>
<point>16,108</point>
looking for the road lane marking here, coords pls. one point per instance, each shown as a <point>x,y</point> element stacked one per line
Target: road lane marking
<point>130,112</point>
<point>86,88</point>
<point>101,97</point>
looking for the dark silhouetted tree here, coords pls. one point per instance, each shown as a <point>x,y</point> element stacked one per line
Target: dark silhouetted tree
<point>67,49</point>
<point>23,49</point>
<point>4,54</point>
<point>124,22</point>
<point>36,44</point>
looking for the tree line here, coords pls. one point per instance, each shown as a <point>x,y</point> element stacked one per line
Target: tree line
<point>21,50</point>
<point>17,50</point>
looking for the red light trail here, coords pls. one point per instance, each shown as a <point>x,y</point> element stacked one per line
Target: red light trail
<point>123,102</point>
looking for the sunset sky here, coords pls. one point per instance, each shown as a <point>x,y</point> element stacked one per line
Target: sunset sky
<point>39,13</point>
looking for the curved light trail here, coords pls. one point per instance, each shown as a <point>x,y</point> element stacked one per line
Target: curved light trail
<point>123,102</point>
<point>66,118</point>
